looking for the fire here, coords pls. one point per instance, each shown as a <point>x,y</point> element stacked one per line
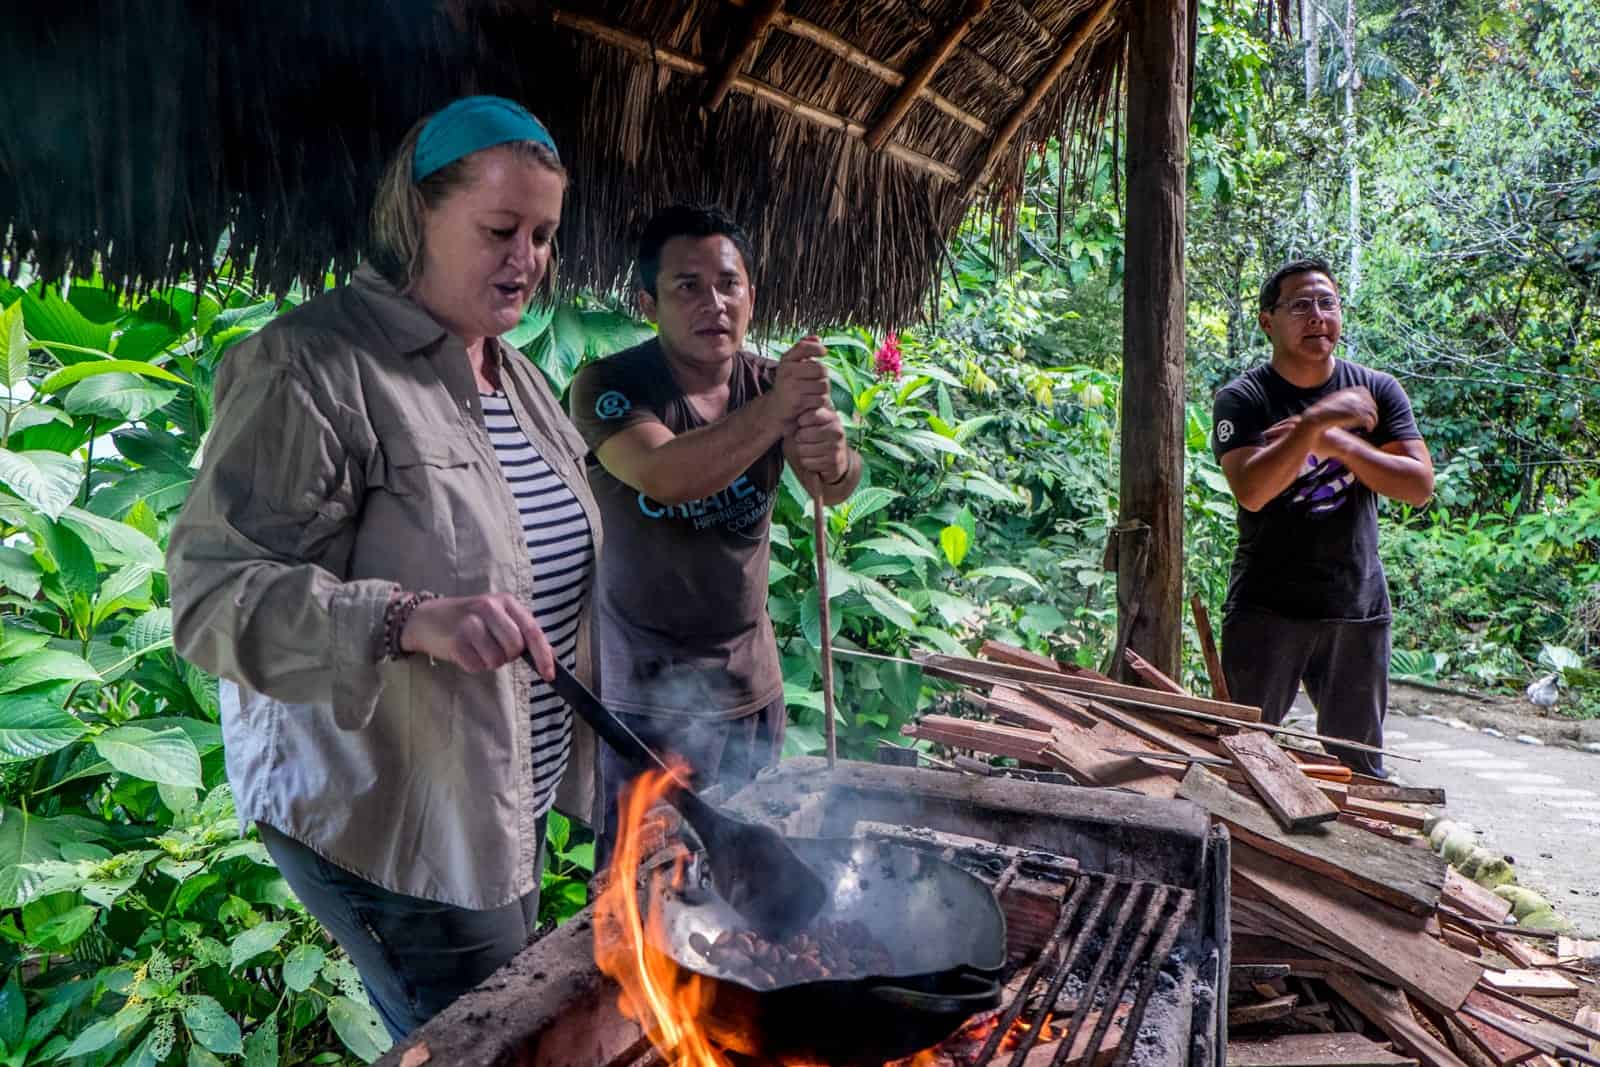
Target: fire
<point>673,1005</point>
<point>667,1001</point>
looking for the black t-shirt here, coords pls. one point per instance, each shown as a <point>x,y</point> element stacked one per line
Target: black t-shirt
<point>682,589</point>
<point>1312,552</point>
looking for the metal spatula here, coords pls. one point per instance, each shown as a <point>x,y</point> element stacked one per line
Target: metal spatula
<point>752,866</point>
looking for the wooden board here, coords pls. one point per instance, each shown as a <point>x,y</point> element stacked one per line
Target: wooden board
<point>1385,941</point>
<point>1590,1017</point>
<point>1568,948</point>
<point>1251,950</point>
<point>1407,818</point>
<point>1156,736</point>
<point>1025,709</point>
<point>1314,1050</point>
<point>1514,948</point>
<point>1387,1009</point>
<point>1531,983</point>
<point>1150,674</point>
<point>1408,878</point>
<point>1472,899</point>
<point>1501,1048</point>
<point>1397,794</point>
<point>1081,683</point>
<point>1293,800</point>
<point>1264,1011</point>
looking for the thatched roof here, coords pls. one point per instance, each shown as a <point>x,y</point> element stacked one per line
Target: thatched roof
<point>140,133</point>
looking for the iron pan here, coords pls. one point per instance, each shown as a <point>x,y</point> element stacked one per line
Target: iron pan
<point>943,930</point>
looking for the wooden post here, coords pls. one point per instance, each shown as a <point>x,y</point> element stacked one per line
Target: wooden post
<point>1152,478</point>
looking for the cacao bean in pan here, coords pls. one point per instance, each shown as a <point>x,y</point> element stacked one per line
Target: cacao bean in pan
<point>844,951</point>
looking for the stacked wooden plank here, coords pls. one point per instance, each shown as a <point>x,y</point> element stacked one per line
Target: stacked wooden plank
<point>1346,926</point>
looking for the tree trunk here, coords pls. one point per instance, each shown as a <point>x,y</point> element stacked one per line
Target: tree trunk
<point>1150,602</point>
<point>1352,82</point>
<point>1311,30</point>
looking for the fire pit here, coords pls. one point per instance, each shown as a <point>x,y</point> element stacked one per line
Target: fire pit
<point>1116,919</point>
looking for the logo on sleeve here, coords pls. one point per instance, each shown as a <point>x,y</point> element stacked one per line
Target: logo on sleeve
<point>1224,432</point>
<point>612,405</point>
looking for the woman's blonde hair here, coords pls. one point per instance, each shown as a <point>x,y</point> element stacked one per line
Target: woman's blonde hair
<point>395,247</point>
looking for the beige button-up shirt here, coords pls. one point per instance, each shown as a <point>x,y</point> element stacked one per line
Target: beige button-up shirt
<point>348,460</point>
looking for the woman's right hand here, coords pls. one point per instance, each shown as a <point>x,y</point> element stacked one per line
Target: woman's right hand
<point>478,633</point>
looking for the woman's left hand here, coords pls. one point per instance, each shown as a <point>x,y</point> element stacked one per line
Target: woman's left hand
<point>478,633</point>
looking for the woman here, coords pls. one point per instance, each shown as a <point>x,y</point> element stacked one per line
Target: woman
<point>392,508</point>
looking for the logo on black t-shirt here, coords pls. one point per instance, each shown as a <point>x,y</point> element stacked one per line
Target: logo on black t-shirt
<point>1323,488</point>
<point>612,405</point>
<point>1224,432</point>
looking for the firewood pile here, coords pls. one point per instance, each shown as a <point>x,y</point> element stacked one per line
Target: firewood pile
<point>1348,931</point>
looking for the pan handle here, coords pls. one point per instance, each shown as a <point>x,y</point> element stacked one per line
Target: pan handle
<point>981,994</point>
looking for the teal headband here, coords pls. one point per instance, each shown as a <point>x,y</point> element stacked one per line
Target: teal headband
<point>471,124</point>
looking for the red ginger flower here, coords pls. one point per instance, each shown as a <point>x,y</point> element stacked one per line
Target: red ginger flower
<point>887,359</point>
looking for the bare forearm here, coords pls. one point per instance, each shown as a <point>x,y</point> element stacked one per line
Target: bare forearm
<point>1404,478</point>
<point>1272,468</point>
<point>697,463</point>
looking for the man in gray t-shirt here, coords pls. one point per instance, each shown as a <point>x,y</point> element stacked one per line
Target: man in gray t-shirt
<point>688,435</point>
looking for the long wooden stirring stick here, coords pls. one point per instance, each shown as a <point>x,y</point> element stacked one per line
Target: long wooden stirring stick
<point>819,540</point>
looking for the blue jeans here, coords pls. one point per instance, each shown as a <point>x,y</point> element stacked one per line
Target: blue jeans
<point>415,956</point>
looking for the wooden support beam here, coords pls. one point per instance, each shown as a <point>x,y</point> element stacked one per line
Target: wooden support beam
<point>1397,794</point>
<point>1265,1011</point>
<point>1152,483</point>
<point>1387,1009</point>
<point>942,50</point>
<point>1294,802</point>
<point>1208,647</point>
<point>1081,35</point>
<point>810,31</point>
<point>743,83</point>
<point>761,18</point>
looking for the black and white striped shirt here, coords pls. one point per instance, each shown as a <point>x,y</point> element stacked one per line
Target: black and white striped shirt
<point>561,548</point>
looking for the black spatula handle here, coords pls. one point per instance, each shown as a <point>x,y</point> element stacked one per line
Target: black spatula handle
<point>610,728</point>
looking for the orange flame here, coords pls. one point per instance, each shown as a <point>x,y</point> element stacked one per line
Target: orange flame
<point>673,1005</point>
<point>667,1001</point>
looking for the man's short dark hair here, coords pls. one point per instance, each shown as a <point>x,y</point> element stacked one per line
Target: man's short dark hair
<point>1274,286</point>
<point>685,220</point>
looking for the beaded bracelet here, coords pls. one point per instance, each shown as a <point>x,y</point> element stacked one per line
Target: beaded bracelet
<point>395,618</point>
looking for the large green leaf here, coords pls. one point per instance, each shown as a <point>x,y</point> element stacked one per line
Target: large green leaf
<point>47,480</point>
<point>114,543</point>
<point>74,562</point>
<point>212,1027</point>
<point>159,490</point>
<point>165,755</point>
<point>127,587</point>
<point>302,966</point>
<point>27,839</point>
<point>13,345</point>
<point>260,938</point>
<point>76,373</point>
<point>118,395</point>
<point>359,1027</point>
<point>955,542</point>
<point>13,1011</point>
<point>19,572</point>
<point>32,726</point>
<point>154,448</point>
<point>99,1035</point>
<point>45,666</point>
<point>54,322</point>
<point>1009,574</point>
<point>864,502</point>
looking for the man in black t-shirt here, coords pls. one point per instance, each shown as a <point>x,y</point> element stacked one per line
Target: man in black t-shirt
<point>688,436</point>
<point>1308,443</point>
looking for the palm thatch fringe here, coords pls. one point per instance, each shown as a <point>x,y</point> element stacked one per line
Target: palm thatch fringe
<point>149,139</point>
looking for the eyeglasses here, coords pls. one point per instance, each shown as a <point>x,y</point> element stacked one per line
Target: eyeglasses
<point>1300,307</point>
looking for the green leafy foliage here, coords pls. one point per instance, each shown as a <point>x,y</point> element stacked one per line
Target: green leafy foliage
<point>148,930</point>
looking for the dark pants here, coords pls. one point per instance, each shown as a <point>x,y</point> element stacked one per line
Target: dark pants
<point>415,956</point>
<point>726,752</point>
<point>1345,667</point>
